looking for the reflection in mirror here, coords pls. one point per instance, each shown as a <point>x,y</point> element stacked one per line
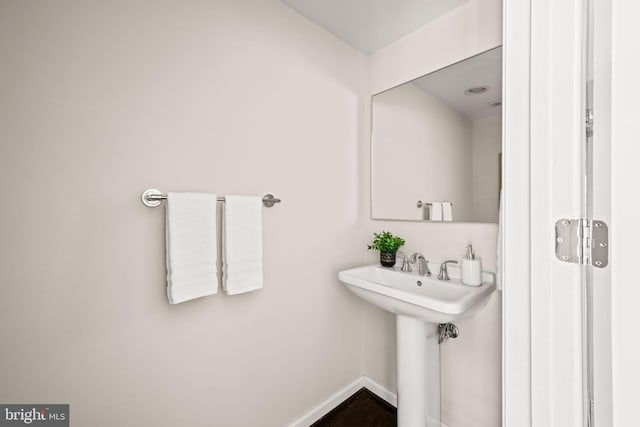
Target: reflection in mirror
<point>436,144</point>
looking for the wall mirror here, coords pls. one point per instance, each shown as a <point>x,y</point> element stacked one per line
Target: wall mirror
<point>436,144</point>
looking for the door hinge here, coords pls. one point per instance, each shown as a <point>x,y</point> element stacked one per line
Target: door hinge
<point>589,122</point>
<point>582,241</point>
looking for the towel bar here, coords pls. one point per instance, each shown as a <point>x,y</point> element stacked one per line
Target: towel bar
<point>421,203</point>
<point>153,198</point>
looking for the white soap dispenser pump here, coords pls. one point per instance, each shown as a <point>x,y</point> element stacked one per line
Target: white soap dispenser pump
<point>471,268</point>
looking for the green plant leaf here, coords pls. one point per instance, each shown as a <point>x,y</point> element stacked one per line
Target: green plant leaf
<point>386,242</point>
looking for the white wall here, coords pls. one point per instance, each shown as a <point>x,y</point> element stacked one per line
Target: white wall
<point>417,140</point>
<point>487,145</point>
<point>516,235</point>
<point>471,364</point>
<point>101,100</point>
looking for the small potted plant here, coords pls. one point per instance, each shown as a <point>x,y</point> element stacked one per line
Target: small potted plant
<point>388,245</point>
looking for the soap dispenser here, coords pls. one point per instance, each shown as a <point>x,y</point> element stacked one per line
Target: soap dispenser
<point>471,268</point>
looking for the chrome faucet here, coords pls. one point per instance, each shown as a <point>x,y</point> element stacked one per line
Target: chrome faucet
<point>444,274</point>
<point>423,264</point>
<point>405,262</point>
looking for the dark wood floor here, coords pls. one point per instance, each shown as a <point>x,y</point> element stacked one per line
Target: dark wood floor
<point>363,409</point>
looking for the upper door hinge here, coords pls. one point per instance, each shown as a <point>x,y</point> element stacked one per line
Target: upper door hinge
<point>582,241</point>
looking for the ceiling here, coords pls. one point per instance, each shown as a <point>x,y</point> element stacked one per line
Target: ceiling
<point>450,83</point>
<point>368,25</point>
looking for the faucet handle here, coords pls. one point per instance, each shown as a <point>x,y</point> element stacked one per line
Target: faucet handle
<point>405,262</point>
<point>444,274</point>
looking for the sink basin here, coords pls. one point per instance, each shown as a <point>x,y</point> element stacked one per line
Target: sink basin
<point>426,298</point>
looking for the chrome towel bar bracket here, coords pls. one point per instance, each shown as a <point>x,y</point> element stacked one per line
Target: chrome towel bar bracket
<point>153,198</point>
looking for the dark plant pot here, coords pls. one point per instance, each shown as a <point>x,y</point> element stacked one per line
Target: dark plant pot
<point>388,259</point>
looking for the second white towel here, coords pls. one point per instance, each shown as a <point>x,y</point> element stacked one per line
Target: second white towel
<point>242,244</point>
<point>447,211</point>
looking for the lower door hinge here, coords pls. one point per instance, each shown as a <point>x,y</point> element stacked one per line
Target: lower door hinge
<point>582,241</point>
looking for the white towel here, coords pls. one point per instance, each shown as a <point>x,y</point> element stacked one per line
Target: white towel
<point>242,244</point>
<point>436,211</point>
<point>499,244</point>
<point>191,246</point>
<point>447,211</point>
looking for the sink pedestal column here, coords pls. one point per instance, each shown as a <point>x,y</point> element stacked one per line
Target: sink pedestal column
<point>418,369</point>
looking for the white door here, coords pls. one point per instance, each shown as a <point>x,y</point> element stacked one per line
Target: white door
<point>570,331</point>
<point>548,302</point>
<point>544,136</point>
<point>625,211</point>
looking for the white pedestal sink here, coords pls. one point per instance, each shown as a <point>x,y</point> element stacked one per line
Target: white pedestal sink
<point>420,303</point>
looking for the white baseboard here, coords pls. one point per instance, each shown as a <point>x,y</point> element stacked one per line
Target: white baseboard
<point>325,407</point>
<point>340,396</point>
<point>380,391</point>
<point>343,394</point>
